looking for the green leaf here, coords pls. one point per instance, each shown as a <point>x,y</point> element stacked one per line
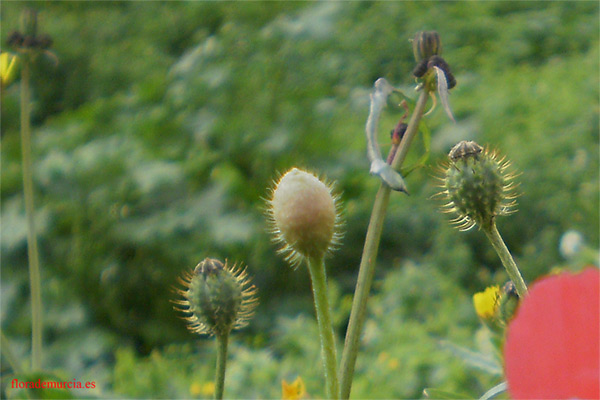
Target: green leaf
<point>432,393</point>
<point>474,359</point>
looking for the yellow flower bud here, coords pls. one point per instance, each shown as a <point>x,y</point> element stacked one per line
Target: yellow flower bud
<point>9,68</point>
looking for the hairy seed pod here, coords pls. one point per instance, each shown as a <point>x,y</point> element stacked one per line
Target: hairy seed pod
<point>217,298</point>
<point>426,44</point>
<point>476,186</point>
<point>304,216</point>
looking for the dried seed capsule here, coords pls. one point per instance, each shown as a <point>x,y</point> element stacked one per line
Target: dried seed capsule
<point>421,68</point>
<point>438,61</point>
<point>15,39</point>
<point>465,149</point>
<point>44,41</point>
<point>426,44</point>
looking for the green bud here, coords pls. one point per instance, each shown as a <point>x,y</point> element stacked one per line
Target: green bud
<point>426,44</point>
<point>217,298</point>
<point>477,186</point>
<point>509,302</point>
<point>9,68</point>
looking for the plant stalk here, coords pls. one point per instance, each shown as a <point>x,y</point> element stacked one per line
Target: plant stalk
<point>367,262</point>
<point>32,247</point>
<point>514,274</point>
<point>222,342</point>
<point>318,276</point>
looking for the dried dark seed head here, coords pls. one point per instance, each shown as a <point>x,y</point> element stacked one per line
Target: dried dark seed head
<point>450,79</point>
<point>15,39</point>
<point>30,42</point>
<point>209,266</point>
<point>426,44</point>
<point>44,41</point>
<point>421,68</point>
<point>465,149</point>
<point>438,61</point>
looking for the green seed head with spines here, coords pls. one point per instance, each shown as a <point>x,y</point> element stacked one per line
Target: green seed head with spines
<point>476,186</point>
<point>217,298</point>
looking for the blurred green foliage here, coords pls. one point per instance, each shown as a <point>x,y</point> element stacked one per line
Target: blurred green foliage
<point>158,134</point>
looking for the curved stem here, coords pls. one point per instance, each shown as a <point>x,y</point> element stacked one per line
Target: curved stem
<point>367,262</point>
<point>222,342</point>
<point>32,248</point>
<point>514,274</point>
<point>318,277</point>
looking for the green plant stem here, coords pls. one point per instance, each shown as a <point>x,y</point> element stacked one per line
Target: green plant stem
<point>222,342</point>
<point>32,248</point>
<point>514,274</point>
<point>367,262</point>
<point>318,277</point>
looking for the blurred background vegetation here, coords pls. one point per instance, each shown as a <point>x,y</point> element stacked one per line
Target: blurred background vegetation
<point>159,133</point>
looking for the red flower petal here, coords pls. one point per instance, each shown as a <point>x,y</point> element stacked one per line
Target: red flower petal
<point>552,349</point>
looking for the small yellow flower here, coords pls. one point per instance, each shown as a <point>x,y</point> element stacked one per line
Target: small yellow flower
<point>393,363</point>
<point>293,391</point>
<point>486,302</point>
<point>205,389</point>
<point>9,66</point>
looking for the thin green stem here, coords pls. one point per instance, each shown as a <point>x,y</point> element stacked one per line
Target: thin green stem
<point>367,262</point>
<point>318,277</point>
<point>514,274</point>
<point>32,248</point>
<point>222,342</point>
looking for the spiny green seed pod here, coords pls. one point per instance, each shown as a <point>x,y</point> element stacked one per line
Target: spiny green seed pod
<point>476,186</point>
<point>426,44</point>
<point>217,298</point>
<point>304,216</point>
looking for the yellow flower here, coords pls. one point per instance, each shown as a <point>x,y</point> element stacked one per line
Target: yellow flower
<point>9,65</point>
<point>293,391</point>
<point>206,389</point>
<point>486,302</point>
